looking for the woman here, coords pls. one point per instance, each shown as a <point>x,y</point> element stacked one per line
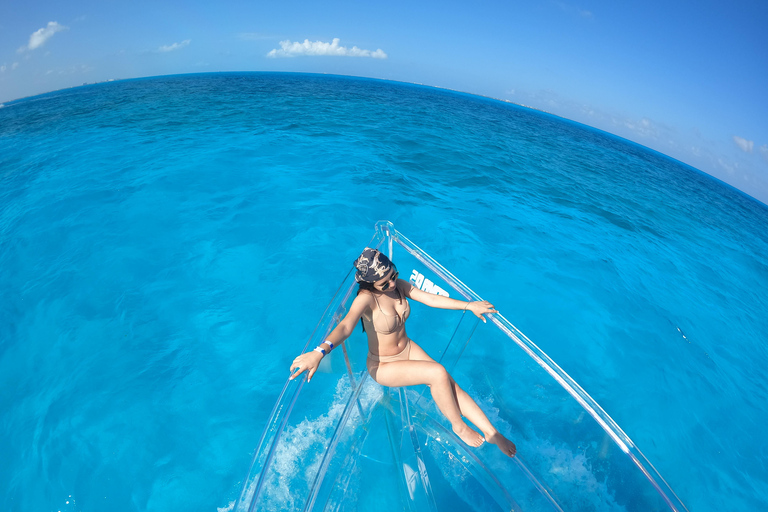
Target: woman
<point>395,360</point>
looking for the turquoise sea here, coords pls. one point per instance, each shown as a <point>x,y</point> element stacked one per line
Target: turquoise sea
<point>168,244</point>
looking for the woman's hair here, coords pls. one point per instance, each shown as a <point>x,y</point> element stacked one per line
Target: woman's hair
<point>362,285</point>
<point>365,286</point>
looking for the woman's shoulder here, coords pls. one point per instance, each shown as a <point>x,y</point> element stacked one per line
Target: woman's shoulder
<point>363,303</point>
<point>364,296</point>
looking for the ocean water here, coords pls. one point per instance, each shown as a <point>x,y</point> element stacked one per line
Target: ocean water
<point>168,244</point>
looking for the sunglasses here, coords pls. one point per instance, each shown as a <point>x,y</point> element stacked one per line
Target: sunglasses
<point>393,277</point>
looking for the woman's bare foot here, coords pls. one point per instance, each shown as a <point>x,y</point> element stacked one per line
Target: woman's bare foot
<point>469,436</point>
<point>506,446</point>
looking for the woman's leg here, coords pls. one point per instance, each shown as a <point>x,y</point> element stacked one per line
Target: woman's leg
<point>434,375</point>
<point>469,408</point>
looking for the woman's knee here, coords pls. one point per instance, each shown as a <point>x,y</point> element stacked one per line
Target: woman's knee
<point>439,376</point>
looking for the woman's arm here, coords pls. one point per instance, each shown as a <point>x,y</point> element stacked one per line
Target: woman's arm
<point>310,361</point>
<point>479,307</point>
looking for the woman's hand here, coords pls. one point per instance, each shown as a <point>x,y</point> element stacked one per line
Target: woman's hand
<point>306,362</point>
<point>480,308</point>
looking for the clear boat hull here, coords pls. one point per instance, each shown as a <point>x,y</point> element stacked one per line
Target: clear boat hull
<point>345,443</point>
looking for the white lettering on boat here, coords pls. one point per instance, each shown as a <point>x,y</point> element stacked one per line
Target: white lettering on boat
<point>424,284</point>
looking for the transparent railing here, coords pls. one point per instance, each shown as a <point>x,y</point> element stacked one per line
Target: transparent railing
<point>345,443</point>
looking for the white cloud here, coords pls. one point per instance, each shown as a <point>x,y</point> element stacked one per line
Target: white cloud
<point>174,46</point>
<point>40,36</point>
<point>730,167</point>
<point>573,10</point>
<point>744,144</point>
<point>764,151</point>
<point>293,49</point>
<point>644,128</point>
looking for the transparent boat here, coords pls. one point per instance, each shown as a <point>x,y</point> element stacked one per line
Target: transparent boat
<point>346,443</point>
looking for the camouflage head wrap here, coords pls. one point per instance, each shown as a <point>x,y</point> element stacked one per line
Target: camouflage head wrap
<point>371,266</point>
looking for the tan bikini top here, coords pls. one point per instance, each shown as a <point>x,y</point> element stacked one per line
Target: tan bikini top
<point>383,323</point>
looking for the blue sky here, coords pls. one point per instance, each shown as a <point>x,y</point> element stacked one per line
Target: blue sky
<point>688,79</point>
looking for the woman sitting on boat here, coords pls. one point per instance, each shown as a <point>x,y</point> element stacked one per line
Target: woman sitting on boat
<point>394,360</point>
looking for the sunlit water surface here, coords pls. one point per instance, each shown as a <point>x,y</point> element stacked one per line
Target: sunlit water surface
<point>167,245</point>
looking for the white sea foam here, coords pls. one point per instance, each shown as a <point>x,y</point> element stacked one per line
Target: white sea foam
<point>228,508</point>
<point>568,472</point>
<point>302,446</point>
